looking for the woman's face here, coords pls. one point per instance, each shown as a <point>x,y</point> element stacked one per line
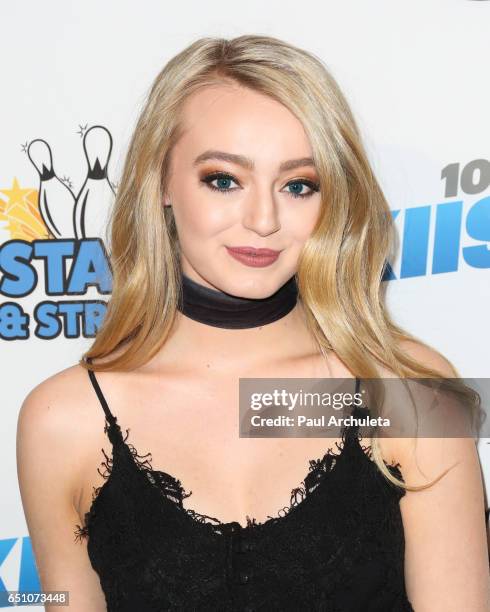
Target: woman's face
<point>241,175</point>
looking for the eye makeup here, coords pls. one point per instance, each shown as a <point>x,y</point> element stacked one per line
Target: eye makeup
<point>224,178</point>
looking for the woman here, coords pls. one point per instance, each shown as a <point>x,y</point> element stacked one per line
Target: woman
<point>248,239</point>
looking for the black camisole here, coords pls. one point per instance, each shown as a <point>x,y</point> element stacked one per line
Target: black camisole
<point>338,547</point>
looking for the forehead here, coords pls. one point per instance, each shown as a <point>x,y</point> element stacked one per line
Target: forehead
<point>231,115</point>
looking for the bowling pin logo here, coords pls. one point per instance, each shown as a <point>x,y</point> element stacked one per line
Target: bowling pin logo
<point>87,214</point>
<point>56,201</point>
<point>93,203</point>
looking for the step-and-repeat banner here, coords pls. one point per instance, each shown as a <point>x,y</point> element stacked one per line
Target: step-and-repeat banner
<point>74,77</point>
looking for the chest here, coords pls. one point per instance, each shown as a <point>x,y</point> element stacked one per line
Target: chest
<point>190,425</point>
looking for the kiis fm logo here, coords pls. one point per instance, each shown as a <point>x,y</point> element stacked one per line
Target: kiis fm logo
<point>447,253</point>
<point>23,563</point>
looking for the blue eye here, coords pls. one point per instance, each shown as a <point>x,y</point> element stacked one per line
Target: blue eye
<point>222,179</point>
<point>298,186</point>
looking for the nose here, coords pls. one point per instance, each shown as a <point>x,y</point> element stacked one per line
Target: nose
<point>261,214</point>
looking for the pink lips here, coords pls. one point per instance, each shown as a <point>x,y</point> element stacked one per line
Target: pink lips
<point>250,256</point>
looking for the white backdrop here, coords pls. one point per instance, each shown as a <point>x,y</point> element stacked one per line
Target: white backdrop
<point>415,75</point>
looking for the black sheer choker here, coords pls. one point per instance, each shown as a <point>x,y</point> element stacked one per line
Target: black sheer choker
<point>220,309</point>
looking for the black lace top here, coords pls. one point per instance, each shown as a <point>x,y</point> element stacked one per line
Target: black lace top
<point>338,547</point>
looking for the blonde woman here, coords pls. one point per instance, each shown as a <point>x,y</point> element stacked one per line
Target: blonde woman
<point>248,239</point>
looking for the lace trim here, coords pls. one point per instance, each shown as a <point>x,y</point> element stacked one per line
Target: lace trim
<point>172,488</point>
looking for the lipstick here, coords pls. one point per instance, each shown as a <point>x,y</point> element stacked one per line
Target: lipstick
<point>250,256</point>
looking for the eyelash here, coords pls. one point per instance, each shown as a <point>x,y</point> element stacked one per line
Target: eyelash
<point>223,175</point>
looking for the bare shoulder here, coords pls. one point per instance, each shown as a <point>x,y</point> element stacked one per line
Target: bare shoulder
<point>425,453</point>
<point>53,400</point>
<point>429,356</point>
<point>52,416</point>
<point>424,460</point>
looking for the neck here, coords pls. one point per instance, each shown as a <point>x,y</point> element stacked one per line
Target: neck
<point>219,309</point>
<point>229,346</point>
<point>193,345</point>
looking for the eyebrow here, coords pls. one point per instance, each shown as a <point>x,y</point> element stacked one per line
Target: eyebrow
<point>248,163</point>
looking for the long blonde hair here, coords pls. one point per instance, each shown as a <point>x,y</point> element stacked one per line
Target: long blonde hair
<point>340,270</point>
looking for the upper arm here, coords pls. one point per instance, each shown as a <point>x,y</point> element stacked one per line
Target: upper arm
<point>47,460</point>
<point>446,553</point>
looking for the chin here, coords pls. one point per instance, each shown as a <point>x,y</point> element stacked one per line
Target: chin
<point>252,288</point>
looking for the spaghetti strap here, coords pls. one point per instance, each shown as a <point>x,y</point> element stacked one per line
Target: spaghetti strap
<point>351,431</point>
<point>95,383</point>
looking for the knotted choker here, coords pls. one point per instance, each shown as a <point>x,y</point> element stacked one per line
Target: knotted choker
<point>220,309</point>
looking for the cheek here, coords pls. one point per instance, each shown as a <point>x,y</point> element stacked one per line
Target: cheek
<point>202,220</point>
<point>301,220</point>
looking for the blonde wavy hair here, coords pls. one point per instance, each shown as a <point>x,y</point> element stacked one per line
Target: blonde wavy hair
<point>341,267</point>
